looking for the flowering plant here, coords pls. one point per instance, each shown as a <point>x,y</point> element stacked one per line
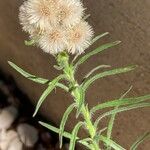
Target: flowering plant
<point>59,27</point>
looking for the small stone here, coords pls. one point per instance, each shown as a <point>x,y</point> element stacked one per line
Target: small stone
<point>7,117</point>
<point>28,134</point>
<point>6,138</point>
<point>16,144</point>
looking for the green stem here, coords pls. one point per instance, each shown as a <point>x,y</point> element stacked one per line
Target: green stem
<point>75,92</point>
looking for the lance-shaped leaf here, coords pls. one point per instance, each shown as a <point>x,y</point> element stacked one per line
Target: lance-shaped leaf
<point>74,135</point>
<point>29,42</point>
<point>33,77</point>
<point>110,143</point>
<point>107,73</point>
<point>65,134</point>
<point>81,101</point>
<point>121,109</point>
<point>99,37</point>
<point>63,122</point>
<point>95,69</point>
<point>112,118</point>
<point>94,52</point>
<point>140,140</point>
<point>47,92</point>
<point>125,101</point>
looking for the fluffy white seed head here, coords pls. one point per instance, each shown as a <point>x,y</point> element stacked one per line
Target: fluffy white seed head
<point>70,12</point>
<point>79,38</point>
<point>54,41</point>
<point>38,14</point>
<point>56,25</point>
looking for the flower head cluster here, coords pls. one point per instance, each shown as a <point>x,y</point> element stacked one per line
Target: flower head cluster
<point>57,25</point>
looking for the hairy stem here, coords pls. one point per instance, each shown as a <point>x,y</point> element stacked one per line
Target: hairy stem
<point>68,70</point>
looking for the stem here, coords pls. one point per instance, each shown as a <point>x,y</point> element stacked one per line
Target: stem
<point>68,70</point>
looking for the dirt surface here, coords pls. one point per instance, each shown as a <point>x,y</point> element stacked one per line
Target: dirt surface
<point>126,20</point>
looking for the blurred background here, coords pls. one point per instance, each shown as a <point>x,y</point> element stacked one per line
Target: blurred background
<point>125,20</point>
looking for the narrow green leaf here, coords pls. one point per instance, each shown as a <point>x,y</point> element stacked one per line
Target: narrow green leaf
<point>113,116</point>
<point>81,102</point>
<point>140,140</point>
<point>47,92</point>
<point>111,143</point>
<point>63,122</point>
<point>65,134</point>
<point>29,42</point>
<point>99,37</point>
<point>121,109</point>
<point>125,101</point>
<point>95,69</point>
<point>56,130</point>
<point>94,52</point>
<point>107,73</point>
<point>74,135</point>
<point>33,77</point>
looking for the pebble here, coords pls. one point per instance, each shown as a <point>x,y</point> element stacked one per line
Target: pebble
<point>28,134</point>
<point>6,138</point>
<point>7,117</point>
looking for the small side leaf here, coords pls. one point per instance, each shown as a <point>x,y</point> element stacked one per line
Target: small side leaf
<point>99,37</point>
<point>63,122</point>
<point>107,73</point>
<point>29,42</point>
<point>65,134</point>
<point>95,69</point>
<point>112,118</point>
<point>47,92</point>
<point>35,78</point>
<point>81,102</point>
<point>125,101</point>
<point>111,143</point>
<point>94,52</point>
<point>140,140</point>
<point>121,109</point>
<point>74,135</point>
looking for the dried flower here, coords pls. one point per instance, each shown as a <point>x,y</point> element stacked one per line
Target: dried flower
<point>38,14</point>
<point>70,12</point>
<point>79,38</point>
<point>54,41</point>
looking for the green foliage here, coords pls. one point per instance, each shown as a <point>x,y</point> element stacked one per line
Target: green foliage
<point>87,83</point>
<point>96,136</point>
<point>74,135</point>
<point>112,118</point>
<point>50,88</point>
<point>94,52</point>
<point>140,140</point>
<point>64,120</point>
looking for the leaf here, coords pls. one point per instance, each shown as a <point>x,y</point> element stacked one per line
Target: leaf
<point>47,92</point>
<point>29,43</point>
<point>112,118</point>
<point>125,101</point>
<point>111,143</point>
<point>99,37</point>
<point>74,135</point>
<point>81,101</point>
<point>140,140</point>
<point>63,122</point>
<point>94,52</point>
<point>95,69</point>
<point>34,78</point>
<point>121,109</point>
<point>65,134</point>
<point>107,73</point>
